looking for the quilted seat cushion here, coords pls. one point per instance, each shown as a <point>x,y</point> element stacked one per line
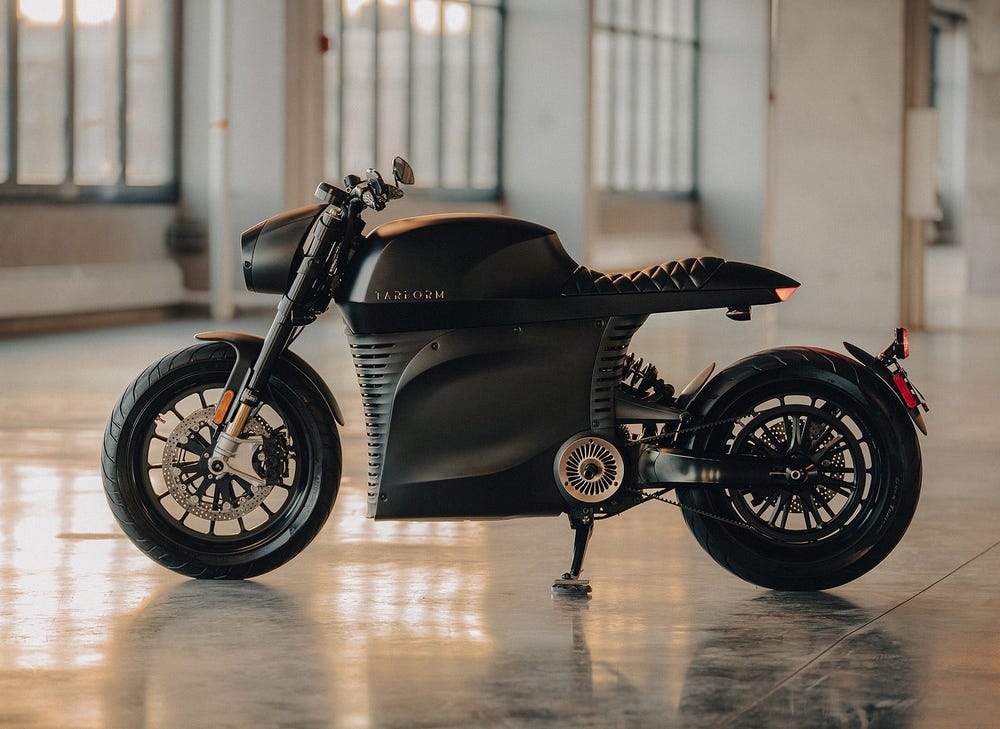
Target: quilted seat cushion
<point>687,274</point>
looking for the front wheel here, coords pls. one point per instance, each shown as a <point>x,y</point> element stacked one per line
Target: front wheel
<point>159,487</point>
<point>849,464</point>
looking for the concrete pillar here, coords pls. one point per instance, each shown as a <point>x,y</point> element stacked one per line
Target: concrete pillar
<point>546,157</point>
<point>732,125</point>
<point>982,210</point>
<point>836,159</point>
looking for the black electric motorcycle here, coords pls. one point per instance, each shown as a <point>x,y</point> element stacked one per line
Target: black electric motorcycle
<point>497,381</point>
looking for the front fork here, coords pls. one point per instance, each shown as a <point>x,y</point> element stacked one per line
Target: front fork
<point>319,268</point>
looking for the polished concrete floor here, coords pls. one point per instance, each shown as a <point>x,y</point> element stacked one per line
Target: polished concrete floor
<point>454,624</point>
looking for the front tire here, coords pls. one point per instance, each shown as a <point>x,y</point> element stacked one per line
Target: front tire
<point>852,465</point>
<point>155,460</point>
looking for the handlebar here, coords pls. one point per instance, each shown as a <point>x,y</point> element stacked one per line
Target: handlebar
<point>373,191</point>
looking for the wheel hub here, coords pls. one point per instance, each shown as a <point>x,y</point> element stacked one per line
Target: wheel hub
<point>190,479</point>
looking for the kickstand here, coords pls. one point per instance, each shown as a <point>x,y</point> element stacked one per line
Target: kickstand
<point>570,583</point>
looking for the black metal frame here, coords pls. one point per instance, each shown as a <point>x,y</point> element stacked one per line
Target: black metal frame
<point>672,43</point>
<point>68,191</point>
<point>468,192</point>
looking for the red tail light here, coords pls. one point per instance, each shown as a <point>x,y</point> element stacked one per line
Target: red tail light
<point>785,293</point>
<point>903,340</point>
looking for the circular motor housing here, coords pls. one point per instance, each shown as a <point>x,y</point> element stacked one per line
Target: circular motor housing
<point>589,469</point>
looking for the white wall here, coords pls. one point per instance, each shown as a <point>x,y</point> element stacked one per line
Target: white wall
<point>732,125</point>
<point>836,160</point>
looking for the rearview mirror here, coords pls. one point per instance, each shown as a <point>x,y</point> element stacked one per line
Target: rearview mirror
<point>402,171</point>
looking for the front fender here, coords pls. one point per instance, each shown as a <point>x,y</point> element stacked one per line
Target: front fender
<point>248,346</point>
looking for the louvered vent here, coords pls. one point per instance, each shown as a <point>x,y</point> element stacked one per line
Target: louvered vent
<point>608,368</point>
<point>379,362</point>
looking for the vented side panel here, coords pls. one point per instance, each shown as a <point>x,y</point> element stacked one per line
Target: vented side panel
<point>379,362</point>
<point>608,368</point>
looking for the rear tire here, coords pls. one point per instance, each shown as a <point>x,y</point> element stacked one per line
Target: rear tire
<point>852,465</point>
<point>155,456</point>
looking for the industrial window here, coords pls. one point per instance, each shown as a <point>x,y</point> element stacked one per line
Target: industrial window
<point>420,78</point>
<point>86,100</point>
<point>643,95</point>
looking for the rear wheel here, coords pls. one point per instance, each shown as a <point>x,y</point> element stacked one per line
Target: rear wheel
<point>849,462</point>
<point>237,525</point>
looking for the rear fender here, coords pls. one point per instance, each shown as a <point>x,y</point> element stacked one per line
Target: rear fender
<point>876,366</point>
<point>247,348</point>
<point>732,377</point>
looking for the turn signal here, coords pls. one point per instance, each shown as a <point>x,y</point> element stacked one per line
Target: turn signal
<point>785,293</point>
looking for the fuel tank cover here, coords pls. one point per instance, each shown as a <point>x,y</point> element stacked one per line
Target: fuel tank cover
<point>459,257</point>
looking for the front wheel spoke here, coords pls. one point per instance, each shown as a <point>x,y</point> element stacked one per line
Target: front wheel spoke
<point>204,402</point>
<point>187,466</point>
<point>243,526</point>
<point>244,484</point>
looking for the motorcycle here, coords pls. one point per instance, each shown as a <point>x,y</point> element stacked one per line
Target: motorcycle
<point>497,381</point>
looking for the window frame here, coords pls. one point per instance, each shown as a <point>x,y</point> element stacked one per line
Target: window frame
<point>467,193</point>
<point>68,191</point>
<point>674,41</point>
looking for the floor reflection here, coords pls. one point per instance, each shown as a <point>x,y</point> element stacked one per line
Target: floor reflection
<point>746,671</point>
<point>236,654</point>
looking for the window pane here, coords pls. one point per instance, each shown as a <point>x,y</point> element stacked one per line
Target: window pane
<point>685,18</point>
<point>41,78</point>
<point>96,156</point>
<point>685,117</point>
<point>601,113</point>
<point>456,98</point>
<point>359,86</point>
<point>426,91</point>
<point>665,132</point>
<point>393,66</point>
<point>666,17</point>
<point>623,113</point>
<point>485,101</point>
<point>4,92</point>
<point>150,118</point>
<point>331,82</point>
<point>643,110</point>
<point>642,91</point>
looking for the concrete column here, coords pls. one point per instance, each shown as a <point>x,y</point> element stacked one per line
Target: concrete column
<point>220,246</point>
<point>732,125</point>
<point>982,211</point>
<point>836,159</point>
<point>546,158</point>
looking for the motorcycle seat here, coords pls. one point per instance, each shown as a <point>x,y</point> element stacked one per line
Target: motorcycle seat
<point>688,274</point>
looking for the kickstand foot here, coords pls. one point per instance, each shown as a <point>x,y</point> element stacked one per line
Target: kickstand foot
<point>570,583</point>
<point>569,587</point>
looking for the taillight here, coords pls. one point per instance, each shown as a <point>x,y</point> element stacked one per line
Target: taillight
<point>784,293</point>
<point>903,343</point>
